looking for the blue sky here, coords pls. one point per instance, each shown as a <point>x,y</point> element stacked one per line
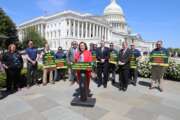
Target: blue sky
<point>153,19</point>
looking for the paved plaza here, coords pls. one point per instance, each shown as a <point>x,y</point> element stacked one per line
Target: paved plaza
<point>52,102</point>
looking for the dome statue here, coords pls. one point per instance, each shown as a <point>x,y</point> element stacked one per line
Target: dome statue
<point>113,8</point>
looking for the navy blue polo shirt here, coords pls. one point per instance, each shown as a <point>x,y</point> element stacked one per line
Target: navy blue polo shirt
<point>136,53</point>
<point>32,53</point>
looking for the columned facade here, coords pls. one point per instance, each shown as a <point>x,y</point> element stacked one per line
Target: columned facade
<point>62,28</point>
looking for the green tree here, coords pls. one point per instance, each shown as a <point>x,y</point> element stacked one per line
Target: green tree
<point>32,34</point>
<point>7,28</point>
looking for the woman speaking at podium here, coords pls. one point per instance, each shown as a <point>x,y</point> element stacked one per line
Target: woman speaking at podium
<point>84,56</point>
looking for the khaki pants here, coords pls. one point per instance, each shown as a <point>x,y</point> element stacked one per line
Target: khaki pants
<point>45,74</point>
<point>157,76</point>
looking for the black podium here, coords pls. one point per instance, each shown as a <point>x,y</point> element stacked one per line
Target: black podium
<point>83,99</point>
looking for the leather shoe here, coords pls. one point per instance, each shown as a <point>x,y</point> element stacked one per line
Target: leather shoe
<point>105,86</point>
<point>99,85</point>
<point>124,89</point>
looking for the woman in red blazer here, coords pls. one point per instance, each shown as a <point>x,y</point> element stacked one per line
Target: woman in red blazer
<point>84,55</point>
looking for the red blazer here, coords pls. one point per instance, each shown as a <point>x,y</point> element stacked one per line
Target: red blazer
<point>87,58</point>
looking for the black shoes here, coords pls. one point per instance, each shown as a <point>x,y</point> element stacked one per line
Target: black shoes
<point>124,89</point>
<point>134,84</point>
<point>99,85</point>
<point>105,85</point>
<point>120,88</point>
<point>113,82</point>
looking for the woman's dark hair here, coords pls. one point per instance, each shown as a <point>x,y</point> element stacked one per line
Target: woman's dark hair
<point>84,45</point>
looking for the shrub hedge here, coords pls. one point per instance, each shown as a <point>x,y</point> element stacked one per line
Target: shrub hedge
<point>144,70</point>
<point>23,73</point>
<point>172,72</point>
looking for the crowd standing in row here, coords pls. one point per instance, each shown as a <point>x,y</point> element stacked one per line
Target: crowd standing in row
<point>105,60</point>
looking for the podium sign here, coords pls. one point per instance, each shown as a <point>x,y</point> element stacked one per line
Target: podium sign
<point>82,66</point>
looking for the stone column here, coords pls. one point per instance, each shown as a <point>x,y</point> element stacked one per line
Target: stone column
<point>106,34</point>
<point>94,30</point>
<point>86,31</point>
<point>82,29</point>
<point>74,28</point>
<point>98,31</point>
<point>42,30</point>
<point>90,28</point>
<point>103,36</point>
<point>78,36</point>
<point>67,20</point>
<point>69,27</point>
<point>38,28</point>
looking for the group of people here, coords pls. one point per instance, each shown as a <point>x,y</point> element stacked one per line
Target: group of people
<point>124,61</point>
<point>105,61</point>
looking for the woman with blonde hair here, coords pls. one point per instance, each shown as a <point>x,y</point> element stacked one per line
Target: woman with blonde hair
<point>13,63</point>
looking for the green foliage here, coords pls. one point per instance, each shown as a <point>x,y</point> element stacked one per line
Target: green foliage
<point>7,28</point>
<point>172,73</point>
<point>39,72</point>
<point>32,34</point>
<point>23,72</point>
<point>144,69</point>
<point>2,79</point>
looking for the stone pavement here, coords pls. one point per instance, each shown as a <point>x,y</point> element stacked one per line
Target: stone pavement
<point>52,102</point>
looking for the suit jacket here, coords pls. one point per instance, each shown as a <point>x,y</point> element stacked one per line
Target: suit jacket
<point>71,55</point>
<point>125,58</point>
<point>102,54</point>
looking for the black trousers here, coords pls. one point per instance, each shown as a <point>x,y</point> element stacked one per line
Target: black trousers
<point>123,78</point>
<point>133,75</point>
<point>112,69</point>
<point>13,79</point>
<point>102,69</point>
<point>31,73</point>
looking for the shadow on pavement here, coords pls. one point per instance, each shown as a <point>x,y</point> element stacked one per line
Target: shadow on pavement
<point>143,83</point>
<point>116,85</point>
<point>4,93</point>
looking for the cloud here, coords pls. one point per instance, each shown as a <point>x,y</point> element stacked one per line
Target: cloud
<point>51,6</point>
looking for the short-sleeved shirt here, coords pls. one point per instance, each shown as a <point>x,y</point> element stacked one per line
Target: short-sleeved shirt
<point>136,53</point>
<point>60,55</point>
<point>32,53</point>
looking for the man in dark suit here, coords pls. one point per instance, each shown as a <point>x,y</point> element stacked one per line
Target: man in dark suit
<point>102,57</point>
<point>124,66</point>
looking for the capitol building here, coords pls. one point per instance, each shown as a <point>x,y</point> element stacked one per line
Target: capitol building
<point>60,29</point>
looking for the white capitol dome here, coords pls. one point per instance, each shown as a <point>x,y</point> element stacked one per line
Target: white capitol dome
<point>113,8</point>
